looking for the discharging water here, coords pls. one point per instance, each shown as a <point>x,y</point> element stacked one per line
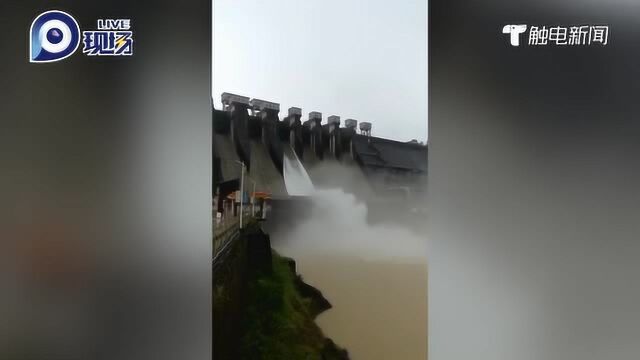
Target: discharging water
<point>296,179</point>
<point>375,276</point>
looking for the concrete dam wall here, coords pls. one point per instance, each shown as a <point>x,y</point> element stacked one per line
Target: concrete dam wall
<point>250,132</point>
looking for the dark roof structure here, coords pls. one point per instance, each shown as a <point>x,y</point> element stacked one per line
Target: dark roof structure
<point>384,153</point>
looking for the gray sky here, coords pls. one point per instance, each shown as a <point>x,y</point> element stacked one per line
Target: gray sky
<point>365,60</point>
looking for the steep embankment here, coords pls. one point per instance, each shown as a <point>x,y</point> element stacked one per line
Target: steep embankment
<point>280,317</point>
<point>263,310</point>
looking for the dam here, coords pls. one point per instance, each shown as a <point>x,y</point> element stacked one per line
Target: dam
<point>249,131</point>
<point>348,206</point>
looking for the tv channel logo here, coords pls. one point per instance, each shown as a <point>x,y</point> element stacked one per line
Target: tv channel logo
<point>54,35</point>
<point>559,35</point>
<point>514,32</point>
<point>113,38</point>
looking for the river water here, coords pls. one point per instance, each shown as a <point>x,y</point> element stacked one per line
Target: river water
<point>374,275</point>
<point>379,307</point>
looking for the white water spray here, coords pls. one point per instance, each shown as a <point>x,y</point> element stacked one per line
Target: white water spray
<point>296,179</point>
<point>373,274</point>
<point>337,224</point>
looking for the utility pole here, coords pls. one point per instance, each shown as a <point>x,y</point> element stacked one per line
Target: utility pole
<point>241,193</point>
<point>253,199</point>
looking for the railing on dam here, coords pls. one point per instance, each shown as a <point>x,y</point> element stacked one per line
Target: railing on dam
<point>226,231</point>
<point>223,234</point>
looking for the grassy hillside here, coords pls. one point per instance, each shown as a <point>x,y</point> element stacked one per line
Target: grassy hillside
<point>280,320</point>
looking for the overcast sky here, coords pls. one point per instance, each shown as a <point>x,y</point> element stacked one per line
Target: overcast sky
<point>360,59</point>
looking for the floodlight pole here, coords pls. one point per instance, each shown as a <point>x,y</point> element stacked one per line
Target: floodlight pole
<point>253,200</point>
<point>241,193</point>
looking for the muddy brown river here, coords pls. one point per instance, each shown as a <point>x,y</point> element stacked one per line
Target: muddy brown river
<point>379,307</point>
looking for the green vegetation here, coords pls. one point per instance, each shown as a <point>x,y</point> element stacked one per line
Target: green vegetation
<point>280,323</point>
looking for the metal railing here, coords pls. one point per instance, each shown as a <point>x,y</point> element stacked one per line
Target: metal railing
<point>222,234</point>
<point>227,230</point>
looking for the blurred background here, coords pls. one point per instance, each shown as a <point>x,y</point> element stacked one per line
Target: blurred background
<point>106,188</point>
<point>533,184</point>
